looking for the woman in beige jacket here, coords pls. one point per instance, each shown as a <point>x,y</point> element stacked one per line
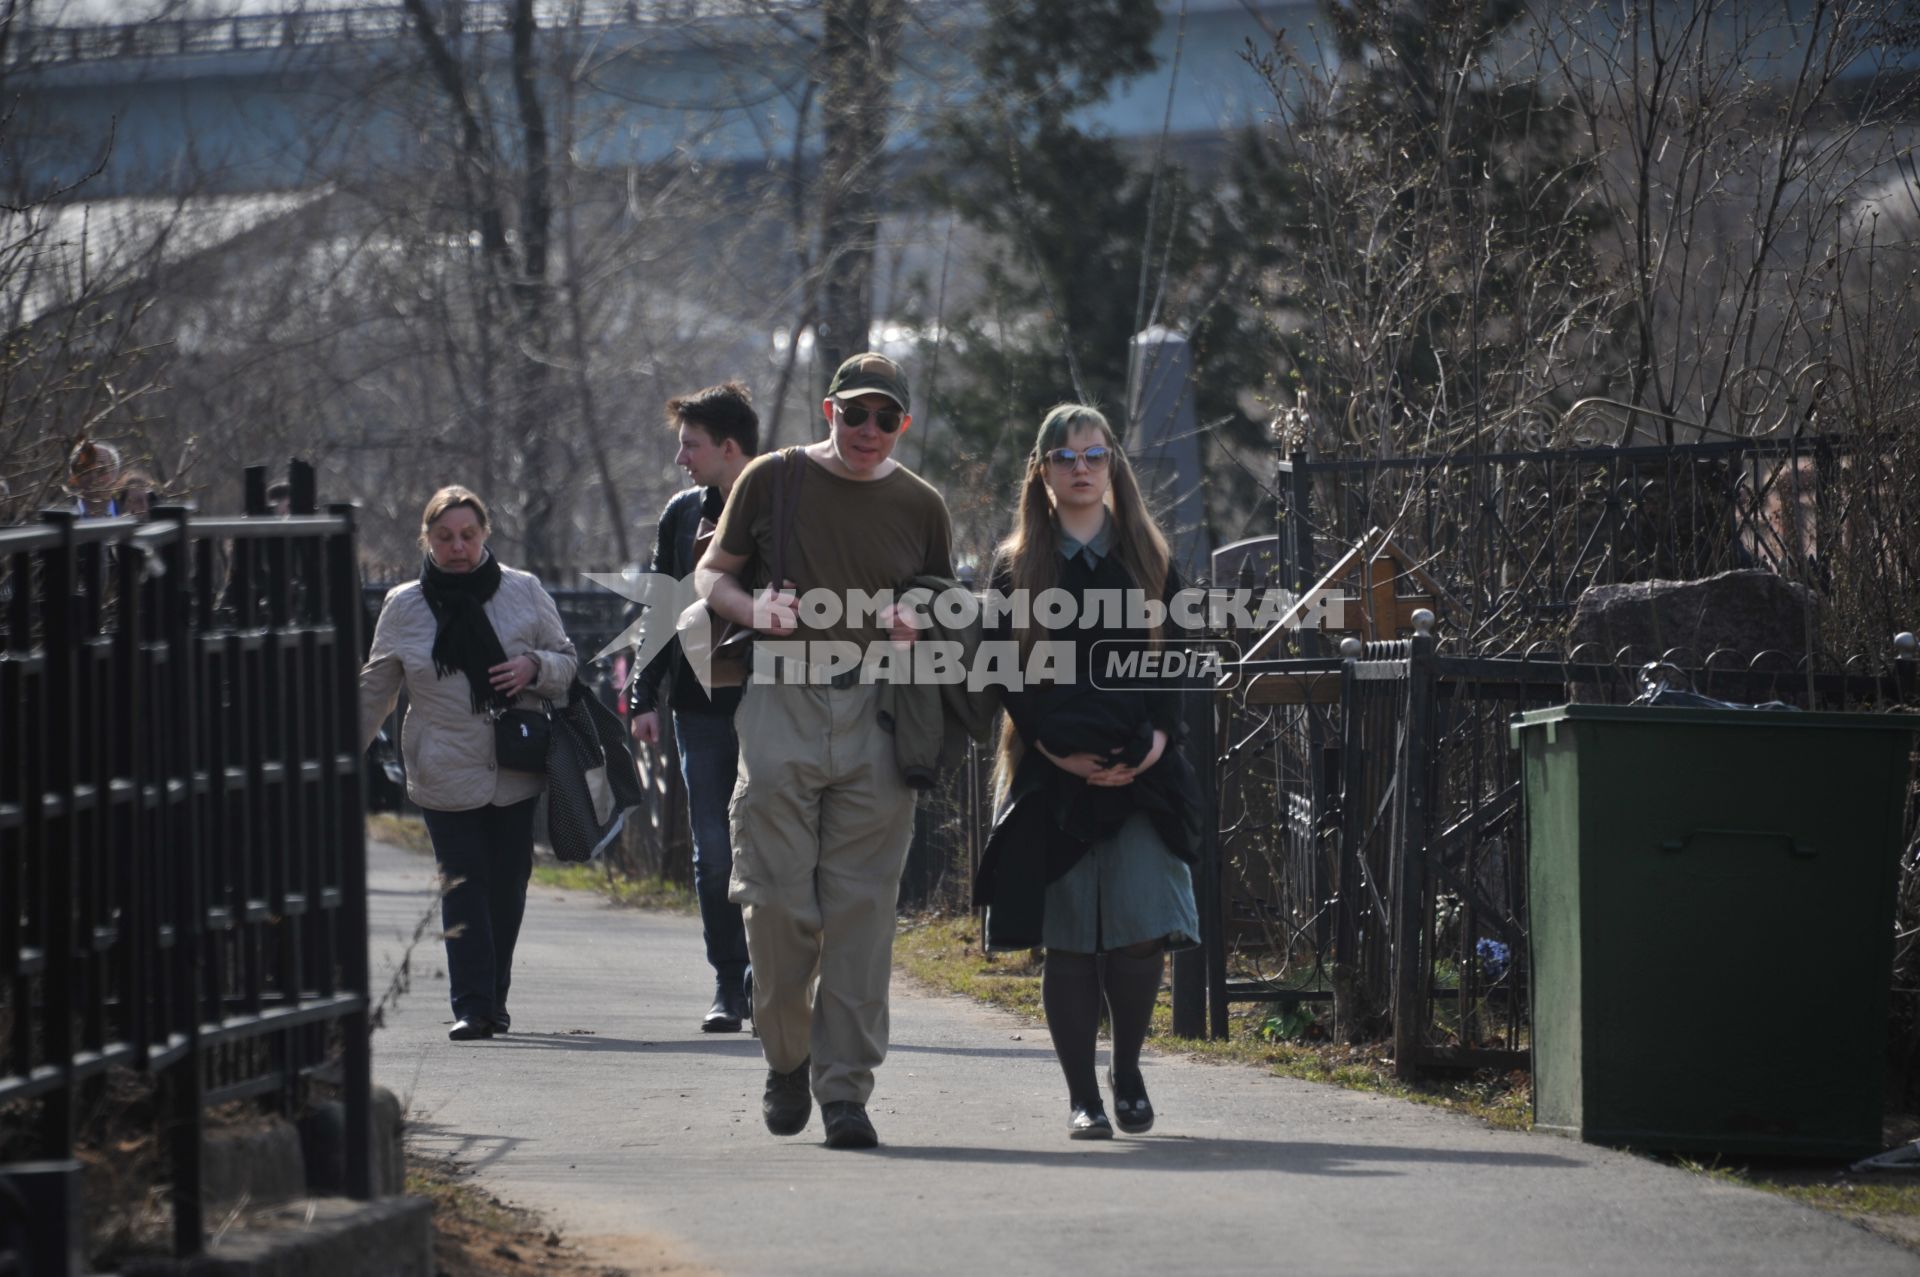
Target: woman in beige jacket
<point>468,640</point>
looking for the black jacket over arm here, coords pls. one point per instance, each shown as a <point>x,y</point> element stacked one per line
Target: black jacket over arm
<point>673,556</point>
<point>1050,817</point>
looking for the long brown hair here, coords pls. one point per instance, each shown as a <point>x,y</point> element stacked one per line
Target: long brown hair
<point>1030,555</point>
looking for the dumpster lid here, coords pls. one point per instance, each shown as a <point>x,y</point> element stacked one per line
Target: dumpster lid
<point>1677,715</point>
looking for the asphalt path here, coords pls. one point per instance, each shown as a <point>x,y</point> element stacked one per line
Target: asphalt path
<point>639,1138</point>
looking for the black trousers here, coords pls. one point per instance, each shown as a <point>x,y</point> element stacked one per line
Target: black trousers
<point>486,858</point>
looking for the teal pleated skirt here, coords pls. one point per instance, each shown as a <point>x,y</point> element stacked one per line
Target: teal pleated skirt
<point>1127,889</point>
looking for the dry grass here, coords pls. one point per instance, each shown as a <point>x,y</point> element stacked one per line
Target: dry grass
<point>1887,1202</point>
<point>475,1234</point>
<point>637,893</point>
<point>125,1163</point>
<point>409,832</point>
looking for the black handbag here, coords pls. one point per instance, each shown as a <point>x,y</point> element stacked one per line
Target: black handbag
<point>591,782</point>
<point>521,739</point>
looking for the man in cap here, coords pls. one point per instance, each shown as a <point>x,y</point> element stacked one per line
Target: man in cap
<point>821,814</point>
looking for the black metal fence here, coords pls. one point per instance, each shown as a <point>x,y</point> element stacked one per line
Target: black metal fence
<point>1373,862</point>
<point>182,840</point>
<point>1517,536</point>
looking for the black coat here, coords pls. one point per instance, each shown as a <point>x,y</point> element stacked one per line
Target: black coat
<point>1050,817</point>
<point>673,556</point>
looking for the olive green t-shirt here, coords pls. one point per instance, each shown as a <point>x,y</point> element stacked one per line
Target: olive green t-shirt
<point>871,535</point>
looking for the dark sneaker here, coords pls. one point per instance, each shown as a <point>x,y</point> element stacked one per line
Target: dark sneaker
<point>788,1101</point>
<point>847,1125</point>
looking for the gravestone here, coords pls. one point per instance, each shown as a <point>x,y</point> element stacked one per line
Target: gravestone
<point>1164,444</point>
<point>1747,612</point>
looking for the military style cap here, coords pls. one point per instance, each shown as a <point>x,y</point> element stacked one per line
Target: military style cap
<point>870,374</point>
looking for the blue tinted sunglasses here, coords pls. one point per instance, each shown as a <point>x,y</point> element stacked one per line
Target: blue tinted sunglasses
<point>1095,457</point>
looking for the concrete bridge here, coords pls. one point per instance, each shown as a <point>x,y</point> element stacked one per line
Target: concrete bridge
<point>284,100</point>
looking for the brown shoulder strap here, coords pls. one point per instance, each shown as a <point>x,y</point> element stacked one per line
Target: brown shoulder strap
<point>786,503</point>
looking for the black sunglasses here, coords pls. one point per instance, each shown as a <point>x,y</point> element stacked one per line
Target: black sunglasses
<point>855,415</point>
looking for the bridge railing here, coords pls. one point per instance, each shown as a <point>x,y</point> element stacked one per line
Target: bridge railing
<point>300,28</point>
<point>182,845</point>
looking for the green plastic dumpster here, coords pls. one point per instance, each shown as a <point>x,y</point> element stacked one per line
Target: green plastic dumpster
<point>1711,905</point>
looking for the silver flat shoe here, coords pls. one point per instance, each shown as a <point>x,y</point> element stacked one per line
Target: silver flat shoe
<point>1089,1123</point>
<point>1132,1110</point>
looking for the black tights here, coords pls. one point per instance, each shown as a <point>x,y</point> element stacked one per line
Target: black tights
<point>1070,987</point>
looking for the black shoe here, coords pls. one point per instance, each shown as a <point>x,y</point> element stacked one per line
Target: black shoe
<point>724,1015</point>
<point>468,1030</point>
<point>1132,1110</point>
<point>1089,1122</point>
<point>788,1101</point>
<point>739,999</point>
<point>847,1125</point>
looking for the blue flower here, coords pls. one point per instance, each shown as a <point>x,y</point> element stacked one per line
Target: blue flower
<point>1493,956</point>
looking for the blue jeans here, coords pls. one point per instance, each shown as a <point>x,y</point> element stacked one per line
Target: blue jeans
<point>709,761</point>
<point>490,851</point>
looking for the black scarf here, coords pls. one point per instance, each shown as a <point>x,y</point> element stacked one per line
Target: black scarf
<point>465,642</point>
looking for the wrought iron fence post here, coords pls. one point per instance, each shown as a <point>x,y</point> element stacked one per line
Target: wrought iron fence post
<point>185,767</point>
<point>1348,1014</point>
<point>1412,978</point>
<point>1326,766</point>
<point>1213,922</point>
<point>1298,536</point>
<point>57,608</point>
<point>343,588</point>
<point>1204,708</point>
<point>47,1235</point>
<point>128,828</point>
<point>1199,975</point>
<point>254,485</point>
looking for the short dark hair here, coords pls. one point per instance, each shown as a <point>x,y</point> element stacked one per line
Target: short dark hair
<point>724,411</point>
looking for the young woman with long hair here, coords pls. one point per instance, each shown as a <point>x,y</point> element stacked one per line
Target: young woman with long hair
<point>1090,852</point>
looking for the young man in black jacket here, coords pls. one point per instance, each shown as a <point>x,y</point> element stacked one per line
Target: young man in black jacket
<point>719,433</point>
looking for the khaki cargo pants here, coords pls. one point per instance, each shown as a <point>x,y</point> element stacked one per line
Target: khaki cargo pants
<point>821,823</point>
